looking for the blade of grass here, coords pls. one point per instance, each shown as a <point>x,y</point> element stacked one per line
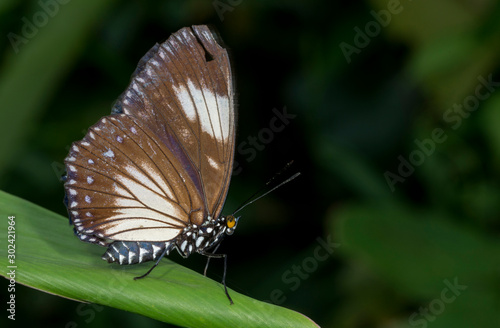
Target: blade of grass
<point>50,258</point>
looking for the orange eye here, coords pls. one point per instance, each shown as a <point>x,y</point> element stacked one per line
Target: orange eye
<point>230,221</point>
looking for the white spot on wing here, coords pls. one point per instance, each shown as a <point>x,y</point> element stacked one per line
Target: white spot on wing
<point>202,103</point>
<point>90,180</point>
<point>213,163</point>
<point>186,102</point>
<point>87,199</point>
<point>150,72</point>
<point>136,87</point>
<point>162,53</point>
<point>109,153</point>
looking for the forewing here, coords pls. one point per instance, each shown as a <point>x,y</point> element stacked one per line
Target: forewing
<point>183,91</point>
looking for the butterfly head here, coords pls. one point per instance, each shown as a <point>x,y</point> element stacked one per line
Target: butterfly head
<point>231,222</point>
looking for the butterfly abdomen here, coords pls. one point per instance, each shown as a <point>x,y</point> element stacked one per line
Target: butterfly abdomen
<point>133,252</point>
<point>192,239</point>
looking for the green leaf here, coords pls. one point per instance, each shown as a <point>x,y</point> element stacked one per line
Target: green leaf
<point>50,258</point>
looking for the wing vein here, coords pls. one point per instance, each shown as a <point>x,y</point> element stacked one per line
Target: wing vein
<point>129,176</point>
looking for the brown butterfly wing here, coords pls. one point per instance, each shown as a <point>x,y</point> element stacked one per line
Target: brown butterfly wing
<point>164,159</point>
<point>184,92</point>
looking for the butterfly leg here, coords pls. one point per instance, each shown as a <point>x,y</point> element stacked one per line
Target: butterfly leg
<point>154,266</point>
<point>220,256</point>
<point>208,261</point>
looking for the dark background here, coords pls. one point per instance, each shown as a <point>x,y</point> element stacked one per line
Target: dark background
<point>367,83</point>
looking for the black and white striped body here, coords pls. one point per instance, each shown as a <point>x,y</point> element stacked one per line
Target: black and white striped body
<point>192,239</point>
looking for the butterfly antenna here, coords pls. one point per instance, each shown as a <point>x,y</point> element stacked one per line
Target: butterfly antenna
<point>253,199</point>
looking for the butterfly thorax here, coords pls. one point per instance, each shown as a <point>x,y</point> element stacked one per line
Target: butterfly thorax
<point>198,238</point>
<point>193,238</point>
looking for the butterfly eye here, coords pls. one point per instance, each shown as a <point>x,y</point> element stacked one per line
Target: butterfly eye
<point>230,221</point>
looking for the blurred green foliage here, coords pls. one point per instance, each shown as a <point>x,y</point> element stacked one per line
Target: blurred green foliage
<point>416,68</point>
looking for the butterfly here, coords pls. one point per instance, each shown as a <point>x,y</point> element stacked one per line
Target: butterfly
<point>153,176</point>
